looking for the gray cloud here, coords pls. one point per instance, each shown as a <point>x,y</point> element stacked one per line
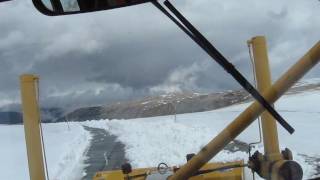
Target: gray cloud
<point>107,56</point>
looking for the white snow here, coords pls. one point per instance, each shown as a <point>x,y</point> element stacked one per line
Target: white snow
<point>64,149</point>
<point>150,141</point>
<point>146,102</point>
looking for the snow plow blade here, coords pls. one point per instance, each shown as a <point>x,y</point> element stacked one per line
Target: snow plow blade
<point>219,173</point>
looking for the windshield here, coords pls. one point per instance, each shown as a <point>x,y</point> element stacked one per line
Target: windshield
<point>128,86</point>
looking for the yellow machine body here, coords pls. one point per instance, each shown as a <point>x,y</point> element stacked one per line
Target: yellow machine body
<point>231,174</point>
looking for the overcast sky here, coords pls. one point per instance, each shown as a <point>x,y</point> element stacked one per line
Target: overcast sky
<point>126,53</point>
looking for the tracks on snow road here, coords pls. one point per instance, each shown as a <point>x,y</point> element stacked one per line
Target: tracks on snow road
<point>104,153</point>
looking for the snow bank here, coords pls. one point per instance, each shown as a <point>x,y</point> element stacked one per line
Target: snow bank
<point>160,140</point>
<point>64,149</point>
<point>150,141</point>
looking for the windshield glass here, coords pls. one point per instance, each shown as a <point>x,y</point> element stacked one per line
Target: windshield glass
<point>127,86</point>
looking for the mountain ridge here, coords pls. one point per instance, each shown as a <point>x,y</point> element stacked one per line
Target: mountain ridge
<point>166,104</point>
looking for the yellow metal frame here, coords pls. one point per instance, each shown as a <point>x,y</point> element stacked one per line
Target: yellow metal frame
<point>272,161</point>
<point>263,77</point>
<point>232,174</point>
<point>31,121</point>
<point>309,60</point>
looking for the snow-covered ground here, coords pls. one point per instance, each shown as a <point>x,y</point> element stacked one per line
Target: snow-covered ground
<point>150,141</point>
<point>64,149</point>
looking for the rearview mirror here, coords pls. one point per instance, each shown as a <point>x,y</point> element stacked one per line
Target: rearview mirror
<point>65,7</point>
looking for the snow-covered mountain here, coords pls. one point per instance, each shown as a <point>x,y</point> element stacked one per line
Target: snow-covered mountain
<point>166,104</point>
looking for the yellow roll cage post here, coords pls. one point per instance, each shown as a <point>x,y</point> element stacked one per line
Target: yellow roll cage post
<point>31,121</point>
<point>263,77</point>
<point>268,165</point>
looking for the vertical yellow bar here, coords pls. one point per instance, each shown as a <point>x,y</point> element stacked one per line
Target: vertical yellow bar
<point>31,120</point>
<point>269,126</point>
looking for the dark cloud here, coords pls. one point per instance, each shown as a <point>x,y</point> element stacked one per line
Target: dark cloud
<point>142,63</point>
<point>108,56</point>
